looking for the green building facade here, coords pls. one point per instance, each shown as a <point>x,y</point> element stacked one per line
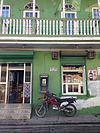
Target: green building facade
<point>51,46</point>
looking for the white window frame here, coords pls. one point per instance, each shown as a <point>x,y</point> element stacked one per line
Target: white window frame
<point>38,13</point>
<point>63,14</point>
<point>9,9</point>
<point>93,12</point>
<point>79,91</point>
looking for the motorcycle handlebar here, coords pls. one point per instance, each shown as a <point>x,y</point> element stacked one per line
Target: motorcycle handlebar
<point>50,94</point>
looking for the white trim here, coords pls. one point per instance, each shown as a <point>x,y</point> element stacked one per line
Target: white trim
<point>0,73</point>
<point>24,72</point>
<point>19,69</point>
<point>99,4</point>
<point>24,83</point>
<point>45,43</point>
<point>63,5</point>
<point>46,39</point>
<point>6,85</point>
<point>33,8</point>
<point>2,83</point>
<point>62,14</point>
<point>1,5</point>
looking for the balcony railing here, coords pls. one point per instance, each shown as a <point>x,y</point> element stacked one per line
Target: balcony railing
<point>43,27</point>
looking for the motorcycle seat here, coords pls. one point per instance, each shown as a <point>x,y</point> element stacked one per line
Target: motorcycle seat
<point>69,99</point>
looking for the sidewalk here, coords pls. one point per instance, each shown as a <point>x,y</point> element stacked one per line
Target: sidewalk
<point>55,120</point>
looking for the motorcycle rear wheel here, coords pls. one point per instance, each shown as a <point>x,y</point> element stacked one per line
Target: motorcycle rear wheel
<point>40,110</point>
<point>70,110</point>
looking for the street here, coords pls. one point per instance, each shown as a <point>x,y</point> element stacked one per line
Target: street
<point>67,128</point>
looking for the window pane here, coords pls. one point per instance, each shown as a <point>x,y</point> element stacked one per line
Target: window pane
<point>3,72</point>
<point>64,88</point>
<point>73,15</point>
<point>31,14</point>
<point>95,13</point>
<point>2,93</point>
<point>27,14</point>
<point>5,11</point>
<point>70,88</point>
<point>15,65</point>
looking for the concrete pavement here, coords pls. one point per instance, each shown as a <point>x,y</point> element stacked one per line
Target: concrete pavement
<point>53,124</point>
<point>54,120</point>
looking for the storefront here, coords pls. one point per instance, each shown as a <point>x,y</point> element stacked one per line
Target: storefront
<point>15,85</point>
<point>73,76</point>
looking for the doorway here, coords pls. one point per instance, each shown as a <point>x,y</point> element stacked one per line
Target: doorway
<point>15,83</point>
<point>15,86</point>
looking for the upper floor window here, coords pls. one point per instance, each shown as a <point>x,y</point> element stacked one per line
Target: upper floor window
<point>70,24</point>
<point>70,15</point>
<point>95,13</point>
<point>29,14</point>
<point>6,11</point>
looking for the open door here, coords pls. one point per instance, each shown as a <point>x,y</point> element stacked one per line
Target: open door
<point>15,86</point>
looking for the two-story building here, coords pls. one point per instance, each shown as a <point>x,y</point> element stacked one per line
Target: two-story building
<point>47,45</point>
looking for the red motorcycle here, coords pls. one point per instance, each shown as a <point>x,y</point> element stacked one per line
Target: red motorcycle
<point>65,105</point>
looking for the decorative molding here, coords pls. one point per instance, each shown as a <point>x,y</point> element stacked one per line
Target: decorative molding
<point>69,7</point>
<point>29,6</point>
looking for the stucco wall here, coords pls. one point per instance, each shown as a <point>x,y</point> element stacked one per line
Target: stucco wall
<point>51,8</point>
<point>43,64</point>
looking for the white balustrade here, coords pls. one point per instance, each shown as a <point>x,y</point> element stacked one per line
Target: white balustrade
<point>50,27</point>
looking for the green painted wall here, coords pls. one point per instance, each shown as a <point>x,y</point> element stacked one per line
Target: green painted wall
<point>94,63</point>
<point>42,63</point>
<point>51,9</point>
<point>86,8</point>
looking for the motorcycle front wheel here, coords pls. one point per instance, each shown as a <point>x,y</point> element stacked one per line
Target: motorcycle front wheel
<point>40,110</point>
<point>70,110</point>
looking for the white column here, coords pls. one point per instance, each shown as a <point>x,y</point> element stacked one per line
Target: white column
<point>33,8</point>
<point>63,5</point>
<point>99,7</point>
<point>1,5</point>
<point>99,4</point>
<point>99,17</point>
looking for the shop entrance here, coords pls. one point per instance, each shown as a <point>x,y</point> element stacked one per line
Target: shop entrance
<point>15,83</point>
<point>15,86</point>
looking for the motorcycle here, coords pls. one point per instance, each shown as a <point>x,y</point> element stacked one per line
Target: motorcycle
<point>63,105</point>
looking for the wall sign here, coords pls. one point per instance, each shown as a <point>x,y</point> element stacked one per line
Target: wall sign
<point>53,69</point>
